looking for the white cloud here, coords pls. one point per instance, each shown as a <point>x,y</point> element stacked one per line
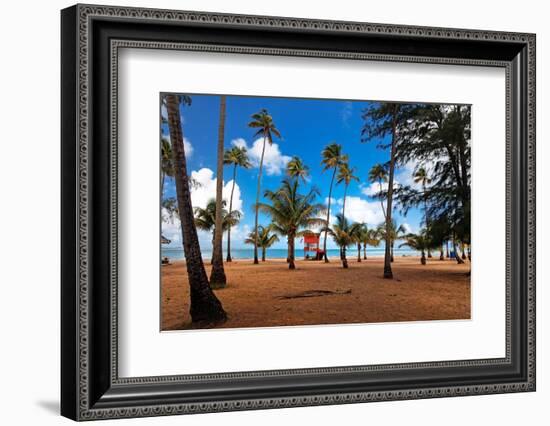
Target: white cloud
<point>239,142</point>
<point>347,111</point>
<point>362,211</point>
<point>206,190</point>
<point>332,201</point>
<point>274,161</point>
<point>199,198</point>
<point>406,173</point>
<point>187,146</point>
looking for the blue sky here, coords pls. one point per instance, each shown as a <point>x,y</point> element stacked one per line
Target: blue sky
<point>306,126</point>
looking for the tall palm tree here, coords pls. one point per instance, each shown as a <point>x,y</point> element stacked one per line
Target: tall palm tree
<point>265,238</point>
<point>296,168</point>
<point>346,175</point>
<point>382,119</point>
<point>344,234</point>
<point>421,177</point>
<point>205,306</point>
<point>266,128</point>
<point>217,274</point>
<point>205,219</point>
<point>419,242</point>
<point>237,157</point>
<point>291,211</point>
<point>332,159</point>
<point>166,168</point>
<point>378,173</point>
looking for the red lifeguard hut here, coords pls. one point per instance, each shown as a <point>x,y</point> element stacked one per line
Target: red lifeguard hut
<point>311,244</point>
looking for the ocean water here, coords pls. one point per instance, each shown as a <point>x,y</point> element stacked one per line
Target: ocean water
<point>248,253</point>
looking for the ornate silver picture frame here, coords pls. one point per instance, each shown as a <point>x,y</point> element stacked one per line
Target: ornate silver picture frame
<point>91,38</point>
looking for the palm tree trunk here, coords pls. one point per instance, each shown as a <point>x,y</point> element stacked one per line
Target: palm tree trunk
<point>257,202</point>
<point>469,253</point>
<point>163,175</point>
<point>463,251</point>
<point>387,255</point>
<point>263,254</point>
<point>365,251</point>
<point>291,264</point>
<point>205,306</point>
<point>447,251</point>
<point>217,275</point>
<point>423,258</point>
<point>328,216</point>
<point>358,252</point>
<point>230,210</point>
<point>441,257</point>
<point>344,258</point>
<point>391,251</point>
<point>455,250</point>
<point>426,214</point>
<point>381,200</point>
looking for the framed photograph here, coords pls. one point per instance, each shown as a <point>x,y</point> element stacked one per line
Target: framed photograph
<point>263,212</point>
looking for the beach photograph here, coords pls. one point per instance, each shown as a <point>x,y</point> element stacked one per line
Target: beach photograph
<point>279,211</point>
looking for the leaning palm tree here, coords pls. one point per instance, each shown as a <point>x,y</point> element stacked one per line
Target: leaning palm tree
<point>291,211</point>
<point>205,218</point>
<point>378,173</point>
<point>166,168</point>
<point>419,242</point>
<point>265,238</point>
<point>344,235</point>
<point>296,168</point>
<point>237,157</point>
<point>205,306</point>
<point>217,274</point>
<point>421,177</point>
<point>332,159</point>
<point>266,128</point>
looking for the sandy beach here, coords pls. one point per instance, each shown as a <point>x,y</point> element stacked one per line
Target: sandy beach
<point>268,294</point>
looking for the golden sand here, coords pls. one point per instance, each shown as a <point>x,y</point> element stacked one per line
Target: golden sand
<point>264,295</point>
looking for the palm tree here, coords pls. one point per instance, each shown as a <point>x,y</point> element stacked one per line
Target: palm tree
<point>266,128</point>
<point>396,233</point>
<point>295,168</point>
<point>419,242</point>
<point>332,159</point>
<point>361,237</point>
<point>205,306</point>
<point>421,176</point>
<point>238,157</point>
<point>372,238</point>
<point>345,175</point>
<point>217,274</point>
<point>343,235</point>
<point>290,212</point>
<point>382,119</point>
<point>205,219</point>
<point>378,173</point>
<point>265,238</point>
<point>166,168</point>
